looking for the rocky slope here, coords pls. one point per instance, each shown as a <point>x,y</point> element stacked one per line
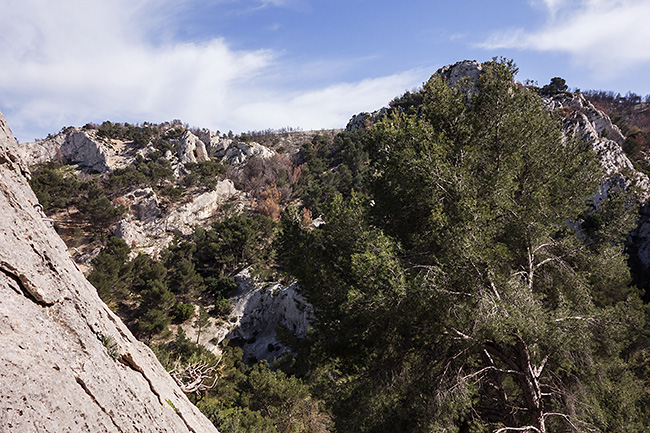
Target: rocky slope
<point>148,227</point>
<point>67,363</point>
<point>151,221</point>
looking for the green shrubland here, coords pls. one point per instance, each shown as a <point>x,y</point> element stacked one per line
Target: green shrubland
<point>464,280</point>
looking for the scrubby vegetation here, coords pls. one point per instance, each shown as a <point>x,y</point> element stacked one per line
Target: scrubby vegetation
<point>81,198</point>
<point>463,280</point>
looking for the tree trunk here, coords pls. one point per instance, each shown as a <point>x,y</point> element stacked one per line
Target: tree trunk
<point>530,386</point>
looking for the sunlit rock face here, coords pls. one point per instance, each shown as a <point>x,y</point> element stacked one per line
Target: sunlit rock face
<point>77,145</point>
<point>258,308</point>
<point>67,363</point>
<point>149,224</point>
<point>466,70</point>
<point>192,149</point>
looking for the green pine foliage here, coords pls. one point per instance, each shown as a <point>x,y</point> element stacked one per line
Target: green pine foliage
<point>331,168</point>
<point>57,188</point>
<point>139,135</point>
<point>112,271</point>
<point>233,244</point>
<point>53,188</point>
<point>153,293</point>
<point>149,172</point>
<point>205,174</point>
<point>246,398</point>
<point>475,287</point>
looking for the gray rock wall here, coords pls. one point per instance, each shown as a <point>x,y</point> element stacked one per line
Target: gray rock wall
<point>67,363</point>
<point>72,145</point>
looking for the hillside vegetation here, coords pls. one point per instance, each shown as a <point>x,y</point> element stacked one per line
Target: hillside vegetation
<point>462,277</point>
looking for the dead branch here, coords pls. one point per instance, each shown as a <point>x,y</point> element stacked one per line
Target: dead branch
<point>196,377</point>
<point>525,429</point>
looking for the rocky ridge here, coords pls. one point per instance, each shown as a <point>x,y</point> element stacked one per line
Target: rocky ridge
<point>68,364</point>
<point>76,145</point>
<point>151,222</point>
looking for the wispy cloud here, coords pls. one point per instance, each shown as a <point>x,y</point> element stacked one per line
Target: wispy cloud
<point>552,6</point>
<point>73,61</point>
<point>605,36</point>
<point>328,107</point>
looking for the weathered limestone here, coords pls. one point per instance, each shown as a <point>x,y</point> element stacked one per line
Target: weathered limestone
<point>466,69</point>
<point>148,228</point>
<point>191,149</point>
<point>67,363</point>
<point>215,144</point>
<point>238,153</point>
<point>73,145</point>
<point>257,309</point>
<point>594,127</point>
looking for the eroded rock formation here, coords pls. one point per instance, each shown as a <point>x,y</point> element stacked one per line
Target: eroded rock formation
<point>78,146</point>
<point>67,363</point>
<point>148,228</point>
<point>258,308</point>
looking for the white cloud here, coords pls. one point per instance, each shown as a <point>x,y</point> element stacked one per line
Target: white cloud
<point>329,107</point>
<point>74,61</point>
<point>551,5</point>
<point>606,36</point>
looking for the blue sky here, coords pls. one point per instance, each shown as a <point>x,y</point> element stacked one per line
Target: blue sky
<point>254,64</point>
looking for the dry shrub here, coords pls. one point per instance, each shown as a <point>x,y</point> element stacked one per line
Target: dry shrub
<point>270,203</point>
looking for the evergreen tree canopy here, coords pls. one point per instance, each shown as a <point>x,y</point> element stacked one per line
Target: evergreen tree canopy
<point>463,294</point>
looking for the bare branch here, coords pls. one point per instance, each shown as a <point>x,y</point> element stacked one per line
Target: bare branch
<point>588,319</point>
<point>545,261</point>
<point>492,348</point>
<point>566,418</point>
<point>525,429</point>
<point>494,289</point>
<point>195,377</point>
<point>464,336</point>
<point>490,368</point>
<point>548,244</point>
<point>537,371</point>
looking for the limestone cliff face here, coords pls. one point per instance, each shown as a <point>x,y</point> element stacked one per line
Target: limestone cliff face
<point>67,363</point>
<point>148,228</point>
<point>76,145</point>
<point>258,308</point>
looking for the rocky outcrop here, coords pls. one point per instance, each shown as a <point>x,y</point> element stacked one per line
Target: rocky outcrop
<point>94,153</point>
<point>68,364</point>
<point>215,144</point>
<point>593,126</point>
<point>363,120</point>
<point>191,149</point>
<point>77,146</point>
<point>149,226</point>
<point>467,69</point>
<point>239,152</point>
<point>201,208</point>
<point>257,310</point>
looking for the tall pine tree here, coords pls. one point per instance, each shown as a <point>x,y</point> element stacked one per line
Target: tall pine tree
<point>465,295</point>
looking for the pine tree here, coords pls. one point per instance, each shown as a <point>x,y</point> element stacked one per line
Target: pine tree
<point>466,293</point>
